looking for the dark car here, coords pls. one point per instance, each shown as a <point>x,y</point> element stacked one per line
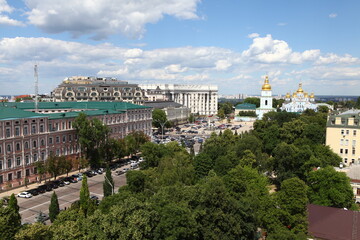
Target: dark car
<point>49,187</point>
<point>33,192</point>
<point>70,179</point>
<point>41,189</point>
<point>59,183</point>
<point>54,184</point>
<point>88,174</point>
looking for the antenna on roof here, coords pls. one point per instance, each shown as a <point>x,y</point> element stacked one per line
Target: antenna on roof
<point>36,87</point>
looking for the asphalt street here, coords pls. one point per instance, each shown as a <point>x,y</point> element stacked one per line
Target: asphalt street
<point>29,208</point>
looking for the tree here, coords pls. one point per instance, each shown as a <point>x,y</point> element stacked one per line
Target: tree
<point>108,185</point>
<point>191,118</point>
<point>92,135</point>
<point>13,204</point>
<point>67,166</point>
<point>54,208</point>
<point>327,187</point>
<point>84,196</point>
<point>202,164</point>
<point>253,100</point>
<point>41,169</point>
<point>54,165</point>
<point>159,118</point>
<point>293,199</point>
<point>135,181</point>
<point>10,222</point>
<point>36,231</point>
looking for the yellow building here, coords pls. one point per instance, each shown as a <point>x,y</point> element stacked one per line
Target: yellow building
<point>343,136</point>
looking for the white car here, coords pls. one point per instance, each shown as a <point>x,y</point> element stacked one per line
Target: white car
<point>24,195</point>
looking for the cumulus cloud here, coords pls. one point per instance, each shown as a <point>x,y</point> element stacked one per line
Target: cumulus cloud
<point>101,18</point>
<point>253,35</point>
<point>207,65</point>
<point>6,20</point>
<point>332,15</point>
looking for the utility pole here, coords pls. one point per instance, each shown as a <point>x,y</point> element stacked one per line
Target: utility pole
<point>36,87</point>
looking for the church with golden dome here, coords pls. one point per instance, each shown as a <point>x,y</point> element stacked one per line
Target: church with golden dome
<point>265,99</point>
<point>299,101</point>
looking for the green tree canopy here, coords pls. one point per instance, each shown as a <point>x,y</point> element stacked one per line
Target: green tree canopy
<point>54,208</point>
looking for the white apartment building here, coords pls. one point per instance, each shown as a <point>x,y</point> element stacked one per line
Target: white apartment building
<point>201,99</point>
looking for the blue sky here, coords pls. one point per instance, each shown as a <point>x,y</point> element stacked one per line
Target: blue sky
<point>230,43</point>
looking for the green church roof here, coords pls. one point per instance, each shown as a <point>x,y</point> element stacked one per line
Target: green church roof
<point>246,106</point>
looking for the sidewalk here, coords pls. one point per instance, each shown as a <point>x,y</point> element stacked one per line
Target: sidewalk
<point>32,185</point>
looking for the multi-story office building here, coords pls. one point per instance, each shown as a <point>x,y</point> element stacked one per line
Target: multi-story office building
<point>343,136</point>
<point>97,89</point>
<point>201,99</point>
<point>28,135</point>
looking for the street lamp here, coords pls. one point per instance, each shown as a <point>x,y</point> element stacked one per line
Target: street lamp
<point>109,182</point>
<point>162,124</point>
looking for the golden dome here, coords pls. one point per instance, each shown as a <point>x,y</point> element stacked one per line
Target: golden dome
<point>287,95</point>
<point>312,95</point>
<point>300,90</point>
<point>306,95</point>
<point>266,86</point>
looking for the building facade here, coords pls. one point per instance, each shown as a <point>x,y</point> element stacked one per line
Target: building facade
<point>79,88</point>
<point>28,136</point>
<point>175,112</point>
<point>343,136</point>
<point>201,99</point>
<point>265,99</point>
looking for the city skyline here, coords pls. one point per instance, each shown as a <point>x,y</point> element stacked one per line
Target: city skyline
<point>232,44</point>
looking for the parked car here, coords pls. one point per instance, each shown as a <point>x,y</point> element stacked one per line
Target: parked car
<point>65,181</point>
<point>77,177</point>
<point>88,174</point>
<point>24,195</point>
<point>58,183</point>
<point>41,189</point>
<point>126,169</point>
<point>70,179</point>
<point>33,192</point>
<point>53,185</point>
<point>119,172</point>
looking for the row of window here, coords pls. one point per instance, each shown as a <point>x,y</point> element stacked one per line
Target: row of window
<point>18,175</point>
<point>11,163</point>
<point>17,132</point>
<point>347,132</point>
<point>345,142</point>
<point>346,151</point>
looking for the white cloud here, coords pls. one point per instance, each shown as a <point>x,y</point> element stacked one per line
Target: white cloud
<point>243,71</point>
<point>333,15</point>
<point>281,24</point>
<point>100,18</point>
<point>5,7</point>
<point>253,35</point>
<point>5,20</point>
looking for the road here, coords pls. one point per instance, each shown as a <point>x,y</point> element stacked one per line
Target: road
<point>29,208</point>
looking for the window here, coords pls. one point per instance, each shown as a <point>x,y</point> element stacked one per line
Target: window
<point>0,150</point>
<point>346,142</point>
<point>354,143</point>
<point>64,138</point>
<point>341,150</point>
<point>17,131</point>
<point>27,172</point>
<point>41,128</point>
<point>50,140</point>
<point>9,163</point>
<point>1,179</point>
<point>8,148</point>
<point>57,152</point>
<point>26,145</point>
<point>358,191</point>
<point>25,130</point>
<point>63,126</point>
<point>346,151</point>
<point>347,132</point>
<point>35,157</point>
<point>27,160</point>
<point>342,131</point>
<point>17,146</point>
<point>1,165</point>
<point>354,132</point>
<point>18,161</point>
<point>10,177</point>
<point>353,151</point>
<point>18,175</point>
<point>8,132</point>
<point>42,142</point>
<point>42,156</point>
<point>345,160</point>
<point>57,139</point>
<point>70,138</point>
<point>33,129</point>
<point>34,144</point>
